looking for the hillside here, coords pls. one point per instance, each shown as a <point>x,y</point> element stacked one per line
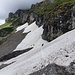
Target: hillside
<point>57,17</point>
<point>39,40</point>
<point>59,51</point>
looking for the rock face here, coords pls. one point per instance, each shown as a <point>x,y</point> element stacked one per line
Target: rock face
<point>22,15</point>
<point>53,26</point>
<point>61,24</point>
<point>53,69</point>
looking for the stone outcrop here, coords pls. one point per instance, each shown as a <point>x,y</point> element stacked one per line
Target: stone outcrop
<point>54,69</point>
<point>53,26</point>
<point>22,15</point>
<point>60,24</point>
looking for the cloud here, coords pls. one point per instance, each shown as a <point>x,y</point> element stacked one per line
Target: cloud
<point>7,6</point>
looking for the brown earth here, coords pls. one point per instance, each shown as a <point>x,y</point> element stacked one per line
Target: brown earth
<point>11,43</point>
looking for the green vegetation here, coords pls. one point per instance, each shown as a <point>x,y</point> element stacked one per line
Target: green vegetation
<point>9,24</point>
<point>49,10</point>
<point>46,8</point>
<point>6,25</point>
<point>6,29</point>
<point>56,8</point>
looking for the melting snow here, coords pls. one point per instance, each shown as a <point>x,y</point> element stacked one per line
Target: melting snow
<point>31,27</point>
<point>60,51</point>
<point>21,27</point>
<point>31,38</point>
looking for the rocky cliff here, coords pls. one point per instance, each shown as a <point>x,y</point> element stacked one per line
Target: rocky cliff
<point>54,69</point>
<point>57,17</point>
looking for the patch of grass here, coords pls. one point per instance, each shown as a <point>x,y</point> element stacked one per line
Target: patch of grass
<point>44,8</point>
<point>9,24</point>
<point>8,29</point>
<point>5,31</point>
<point>5,25</point>
<point>54,9</point>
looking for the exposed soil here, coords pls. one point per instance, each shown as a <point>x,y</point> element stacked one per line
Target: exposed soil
<point>11,43</point>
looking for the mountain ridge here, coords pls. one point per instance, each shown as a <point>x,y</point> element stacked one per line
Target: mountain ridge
<point>57,17</point>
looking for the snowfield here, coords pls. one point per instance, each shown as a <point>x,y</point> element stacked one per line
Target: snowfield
<point>21,27</point>
<point>32,38</point>
<point>60,51</point>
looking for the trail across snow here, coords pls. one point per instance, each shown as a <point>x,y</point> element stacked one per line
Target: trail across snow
<point>60,51</point>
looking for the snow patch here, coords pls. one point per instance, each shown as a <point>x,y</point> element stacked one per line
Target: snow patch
<point>60,51</point>
<point>21,27</point>
<point>30,39</point>
<point>31,28</point>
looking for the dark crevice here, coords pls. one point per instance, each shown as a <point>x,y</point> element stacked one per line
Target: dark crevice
<point>13,54</point>
<point>5,65</point>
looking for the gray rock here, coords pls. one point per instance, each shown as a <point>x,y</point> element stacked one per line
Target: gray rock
<point>53,69</point>
<point>71,67</point>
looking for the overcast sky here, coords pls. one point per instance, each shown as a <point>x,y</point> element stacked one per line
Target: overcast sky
<point>7,6</point>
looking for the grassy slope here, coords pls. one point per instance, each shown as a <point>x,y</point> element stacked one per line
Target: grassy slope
<point>51,10</point>
<point>5,25</point>
<point>54,9</point>
<point>45,8</point>
<point>8,27</point>
<point>8,24</point>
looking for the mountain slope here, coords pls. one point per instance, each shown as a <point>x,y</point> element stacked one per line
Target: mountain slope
<point>57,17</point>
<point>60,51</point>
<point>32,47</point>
